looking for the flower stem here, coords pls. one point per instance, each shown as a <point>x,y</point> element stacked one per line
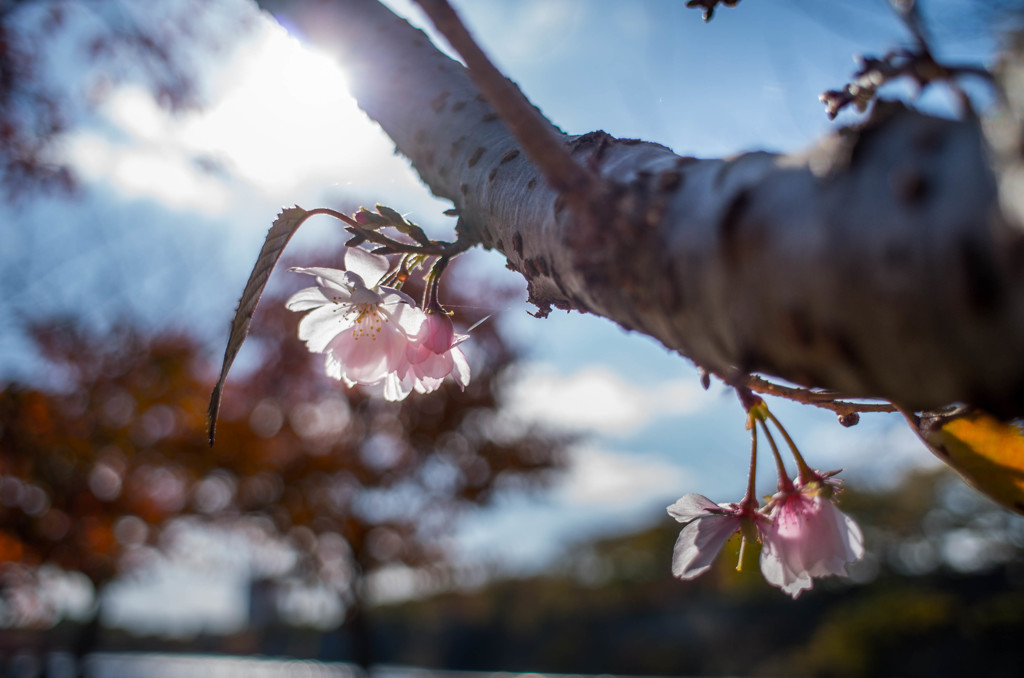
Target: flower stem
<point>805,472</point>
<point>750,498</point>
<point>430,302</point>
<point>785,484</point>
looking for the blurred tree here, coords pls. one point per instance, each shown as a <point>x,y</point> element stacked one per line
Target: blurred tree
<point>58,58</point>
<point>611,605</point>
<point>93,473</point>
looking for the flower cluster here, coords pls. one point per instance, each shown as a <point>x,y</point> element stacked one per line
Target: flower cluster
<point>375,335</point>
<point>803,534</point>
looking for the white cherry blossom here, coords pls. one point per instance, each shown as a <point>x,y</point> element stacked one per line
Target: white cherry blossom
<point>709,526</point>
<point>363,328</point>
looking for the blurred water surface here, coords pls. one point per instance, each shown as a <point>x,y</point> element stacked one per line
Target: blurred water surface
<point>156,665</point>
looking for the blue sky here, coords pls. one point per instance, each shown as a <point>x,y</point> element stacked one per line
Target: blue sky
<point>174,210</point>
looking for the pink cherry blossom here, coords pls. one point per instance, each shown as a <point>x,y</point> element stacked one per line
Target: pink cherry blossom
<point>709,526</point>
<point>430,356</point>
<point>807,537</point>
<point>363,328</point>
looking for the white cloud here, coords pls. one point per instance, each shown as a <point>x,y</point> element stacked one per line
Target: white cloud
<point>145,159</point>
<point>596,399</point>
<point>611,480</point>
<point>281,128</point>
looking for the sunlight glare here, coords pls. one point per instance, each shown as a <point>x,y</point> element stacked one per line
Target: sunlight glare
<point>284,114</point>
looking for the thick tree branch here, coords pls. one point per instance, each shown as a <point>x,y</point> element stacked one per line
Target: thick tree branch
<point>876,264</point>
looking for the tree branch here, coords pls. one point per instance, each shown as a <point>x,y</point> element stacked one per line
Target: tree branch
<point>877,264</point>
<point>541,142</point>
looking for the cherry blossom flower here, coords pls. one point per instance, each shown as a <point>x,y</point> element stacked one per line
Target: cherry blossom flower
<point>803,534</point>
<point>362,327</point>
<point>709,526</point>
<point>808,537</point>
<point>430,356</point>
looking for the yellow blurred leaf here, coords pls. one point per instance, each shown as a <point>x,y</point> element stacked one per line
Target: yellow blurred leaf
<point>987,453</point>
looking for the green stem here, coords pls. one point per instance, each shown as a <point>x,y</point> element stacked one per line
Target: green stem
<point>750,499</point>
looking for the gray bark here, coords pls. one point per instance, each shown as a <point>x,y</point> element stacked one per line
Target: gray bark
<point>878,264</point>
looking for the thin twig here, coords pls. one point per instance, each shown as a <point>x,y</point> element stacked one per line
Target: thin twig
<point>534,132</point>
<point>919,64</point>
<point>847,411</point>
<point>829,400</point>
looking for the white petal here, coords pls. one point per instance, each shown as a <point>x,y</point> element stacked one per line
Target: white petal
<point>334,276</point>
<point>390,295</point>
<point>460,367</point>
<point>370,267</point>
<point>333,368</point>
<point>396,389</point>
<point>306,299</point>
<point>405,316</point>
<point>321,325</point>
<point>699,542</point>
<point>778,573</point>
<point>691,506</point>
<point>853,538</point>
<point>427,384</point>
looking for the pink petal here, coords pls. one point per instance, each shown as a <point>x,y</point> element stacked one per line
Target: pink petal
<point>438,333</point>
<point>808,537</point>
<point>360,358</point>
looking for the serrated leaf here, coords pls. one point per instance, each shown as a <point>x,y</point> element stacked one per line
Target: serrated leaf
<point>282,230</point>
<point>986,452</point>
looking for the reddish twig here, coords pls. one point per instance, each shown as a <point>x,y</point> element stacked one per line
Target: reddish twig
<point>847,411</point>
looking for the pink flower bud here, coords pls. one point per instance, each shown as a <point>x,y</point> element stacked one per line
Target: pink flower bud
<point>439,334</point>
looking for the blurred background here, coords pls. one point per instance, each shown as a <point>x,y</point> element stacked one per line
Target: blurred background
<point>518,526</point>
